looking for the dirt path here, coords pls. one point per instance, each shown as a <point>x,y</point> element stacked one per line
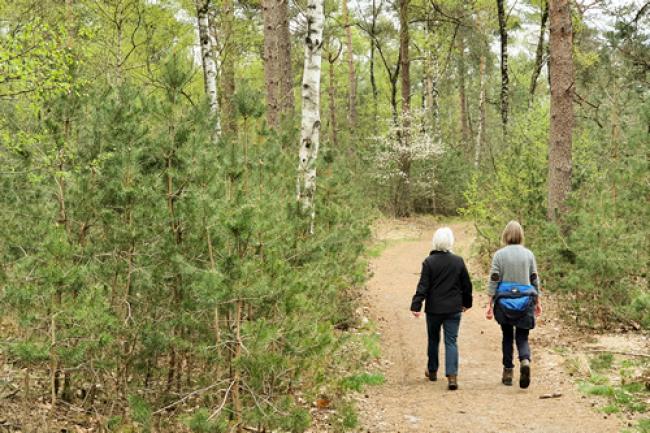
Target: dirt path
<point>407,402</point>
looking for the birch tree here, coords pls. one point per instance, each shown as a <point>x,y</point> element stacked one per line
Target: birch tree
<point>310,125</point>
<point>208,63</point>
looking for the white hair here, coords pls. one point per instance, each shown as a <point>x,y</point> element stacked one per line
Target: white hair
<point>443,239</point>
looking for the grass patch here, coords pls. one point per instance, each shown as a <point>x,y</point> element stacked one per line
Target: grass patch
<point>597,379</point>
<point>372,345</point>
<point>630,396</point>
<point>358,381</point>
<point>346,418</point>
<point>600,390</point>
<point>603,361</point>
<point>610,409</point>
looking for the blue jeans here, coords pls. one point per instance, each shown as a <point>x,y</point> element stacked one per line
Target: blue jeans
<point>451,325</point>
<point>520,336</point>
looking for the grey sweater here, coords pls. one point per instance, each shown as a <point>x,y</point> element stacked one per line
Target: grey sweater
<point>513,263</point>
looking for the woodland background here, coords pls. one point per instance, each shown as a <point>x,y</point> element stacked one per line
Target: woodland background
<point>154,250</point>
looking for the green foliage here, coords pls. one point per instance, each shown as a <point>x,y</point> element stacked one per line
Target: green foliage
<point>598,258</point>
<point>140,412</point>
<point>628,393</point>
<point>358,381</point>
<point>199,422</point>
<point>346,418</point>
<point>141,257</point>
<point>602,361</point>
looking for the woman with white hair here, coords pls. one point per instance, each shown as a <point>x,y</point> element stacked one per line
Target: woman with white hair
<point>514,300</point>
<point>446,289</point>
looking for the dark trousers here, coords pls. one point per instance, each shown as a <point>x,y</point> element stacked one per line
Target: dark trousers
<point>451,324</point>
<point>520,336</point>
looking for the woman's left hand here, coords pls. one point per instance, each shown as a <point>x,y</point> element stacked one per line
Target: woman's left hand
<point>416,314</point>
<point>538,309</point>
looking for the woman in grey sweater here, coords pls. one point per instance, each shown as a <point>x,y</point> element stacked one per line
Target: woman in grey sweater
<point>514,289</point>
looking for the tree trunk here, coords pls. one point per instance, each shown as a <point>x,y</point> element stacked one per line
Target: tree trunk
<point>278,76</point>
<point>504,67</point>
<point>373,82</point>
<point>228,68</point>
<point>236,377</point>
<point>310,125</point>
<point>352,79</point>
<point>331,92</point>
<point>403,193</point>
<point>437,130</point>
<point>332,102</point>
<point>428,88</point>
<point>271,63</point>
<point>462,98</point>
<point>539,56</point>
<point>209,65</point>
<point>481,112</point>
<point>561,128</point>
<point>287,103</point>
<point>404,57</point>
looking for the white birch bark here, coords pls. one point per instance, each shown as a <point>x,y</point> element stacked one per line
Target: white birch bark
<point>310,125</point>
<point>209,64</point>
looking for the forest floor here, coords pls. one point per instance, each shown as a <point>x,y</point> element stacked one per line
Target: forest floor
<point>408,402</point>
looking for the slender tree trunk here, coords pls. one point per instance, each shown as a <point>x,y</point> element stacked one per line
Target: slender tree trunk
<point>405,62</point>
<point>436,105</point>
<point>428,84</point>
<point>271,63</point>
<point>504,67</point>
<point>331,91</point>
<point>462,98</point>
<point>235,394</point>
<point>352,78</point>
<point>310,125</point>
<point>287,102</point>
<point>403,198</point>
<point>393,101</point>
<point>278,75</point>
<point>373,82</point>
<point>481,112</point>
<point>209,64</point>
<point>228,68</point>
<point>561,128</point>
<point>539,55</point>
<point>332,108</point>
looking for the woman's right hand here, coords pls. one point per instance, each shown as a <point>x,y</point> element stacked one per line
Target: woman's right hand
<point>489,312</point>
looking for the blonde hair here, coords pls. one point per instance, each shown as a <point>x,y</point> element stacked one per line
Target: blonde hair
<point>443,239</point>
<point>513,234</point>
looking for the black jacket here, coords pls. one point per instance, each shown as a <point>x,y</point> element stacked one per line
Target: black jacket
<point>444,284</point>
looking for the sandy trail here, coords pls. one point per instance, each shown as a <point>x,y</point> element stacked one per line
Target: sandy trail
<point>408,402</point>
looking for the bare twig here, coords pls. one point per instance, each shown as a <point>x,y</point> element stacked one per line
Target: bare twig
<point>191,394</point>
<point>223,403</point>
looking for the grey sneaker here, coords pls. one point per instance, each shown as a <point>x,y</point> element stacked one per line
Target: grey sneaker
<point>524,373</point>
<point>506,379</point>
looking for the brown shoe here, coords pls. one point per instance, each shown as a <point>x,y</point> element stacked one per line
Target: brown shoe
<point>452,383</point>
<point>507,377</point>
<point>431,375</point>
